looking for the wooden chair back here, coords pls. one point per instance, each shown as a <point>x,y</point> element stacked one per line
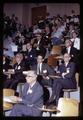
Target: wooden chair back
<point>68,107</point>
<point>7,92</point>
<point>52,61</point>
<point>56,49</point>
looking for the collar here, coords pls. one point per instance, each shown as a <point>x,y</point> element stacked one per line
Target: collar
<point>66,64</point>
<point>32,84</point>
<point>29,49</point>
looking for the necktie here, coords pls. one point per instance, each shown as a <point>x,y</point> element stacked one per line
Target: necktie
<point>38,69</point>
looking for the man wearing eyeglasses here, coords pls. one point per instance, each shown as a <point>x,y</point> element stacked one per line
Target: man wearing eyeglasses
<point>31,99</point>
<point>67,71</point>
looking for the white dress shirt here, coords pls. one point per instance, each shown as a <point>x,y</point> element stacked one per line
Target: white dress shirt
<point>76,43</point>
<point>39,68</point>
<point>68,49</point>
<point>30,88</point>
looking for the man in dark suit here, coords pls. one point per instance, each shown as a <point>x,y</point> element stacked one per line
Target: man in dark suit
<point>67,80</point>
<point>43,70</point>
<point>6,66</point>
<point>30,55</point>
<point>32,98</point>
<point>70,50</point>
<point>19,67</point>
<point>74,53</point>
<point>38,44</point>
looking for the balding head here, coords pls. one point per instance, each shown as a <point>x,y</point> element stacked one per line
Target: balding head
<point>68,43</point>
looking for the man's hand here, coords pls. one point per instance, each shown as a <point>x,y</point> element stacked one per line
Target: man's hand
<point>15,98</point>
<point>63,74</point>
<point>46,77</point>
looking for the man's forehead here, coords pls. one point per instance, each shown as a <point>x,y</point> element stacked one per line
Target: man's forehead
<point>66,55</point>
<point>30,73</point>
<point>39,57</point>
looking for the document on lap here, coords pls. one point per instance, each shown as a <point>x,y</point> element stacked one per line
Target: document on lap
<point>10,99</point>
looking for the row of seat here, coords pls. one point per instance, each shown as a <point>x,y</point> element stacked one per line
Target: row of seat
<point>66,106</point>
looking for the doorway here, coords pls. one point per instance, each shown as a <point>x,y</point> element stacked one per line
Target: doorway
<point>38,13</point>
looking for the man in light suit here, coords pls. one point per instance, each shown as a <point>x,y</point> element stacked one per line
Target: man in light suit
<point>32,98</point>
<point>67,80</point>
<point>43,70</point>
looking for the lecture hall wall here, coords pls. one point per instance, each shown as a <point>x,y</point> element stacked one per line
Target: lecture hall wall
<point>23,11</point>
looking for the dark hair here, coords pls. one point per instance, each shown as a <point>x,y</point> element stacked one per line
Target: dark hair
<point>41,55</point>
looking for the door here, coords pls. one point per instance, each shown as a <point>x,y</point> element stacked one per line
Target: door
<point>38,13</point>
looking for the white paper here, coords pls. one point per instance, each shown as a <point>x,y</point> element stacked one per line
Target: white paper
<point>14,48</point>
<point>24,48</point>
<point>7,99</point>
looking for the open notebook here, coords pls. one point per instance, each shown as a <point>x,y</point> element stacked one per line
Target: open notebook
<point>8,99</point>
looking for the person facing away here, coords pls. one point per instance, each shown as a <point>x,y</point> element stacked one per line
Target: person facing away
<point>67,80</point>
<point>32,97</point>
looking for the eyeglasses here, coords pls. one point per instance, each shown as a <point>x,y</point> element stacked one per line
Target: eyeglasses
<point>29,76</point>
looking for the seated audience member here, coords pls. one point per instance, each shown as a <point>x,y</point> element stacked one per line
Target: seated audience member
<point>38,44</point>
<point>70,50</point>
<point>32,98</point>
<point>71,29</point>
<point>19,40</point>
<point>19,67</point>
<point>6,63</point>
<point>56,35</point>
<point>43,70</point>
<point>6,66</point>
<point>47,35</point>
<point>76,41</point>
<point>67,80</point>
<point>30,55</point>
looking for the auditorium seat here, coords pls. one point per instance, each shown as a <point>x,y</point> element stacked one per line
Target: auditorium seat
<point>68,91</point>
<point>6,105</point>
<point>56,50</point>
<point>68,107</point>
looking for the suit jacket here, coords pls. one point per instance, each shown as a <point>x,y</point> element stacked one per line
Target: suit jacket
<point>70,76</point>
<point>31,56</point>
<point>33,100</point>
<point>74,52</point>
<point>18,71</point>
<point>42,49</point>
<point>45,67</point>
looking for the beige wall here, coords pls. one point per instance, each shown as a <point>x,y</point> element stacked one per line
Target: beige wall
<point>23,11</point>
<point>62,8</point>
<point>16,8</point>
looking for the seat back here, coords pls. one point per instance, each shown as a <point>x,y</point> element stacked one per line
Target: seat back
<point>56,49</point>
<point>52,61</point>
<point>7,92</point>
<point>68,107</point>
